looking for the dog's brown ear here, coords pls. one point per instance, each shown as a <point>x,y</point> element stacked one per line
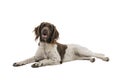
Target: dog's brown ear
<point>37,33</point>
<point>38,29</point>
<point>55,35</point>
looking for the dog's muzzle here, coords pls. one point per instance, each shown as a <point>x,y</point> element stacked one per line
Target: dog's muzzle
<point>45,34</point>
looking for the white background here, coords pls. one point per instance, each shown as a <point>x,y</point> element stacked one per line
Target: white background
<point>90,23</point>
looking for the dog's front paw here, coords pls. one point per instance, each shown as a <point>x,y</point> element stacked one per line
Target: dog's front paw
<point>36,65</point>
<point>17,64</point>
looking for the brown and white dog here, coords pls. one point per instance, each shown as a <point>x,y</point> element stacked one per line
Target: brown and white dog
<point>50,52</point>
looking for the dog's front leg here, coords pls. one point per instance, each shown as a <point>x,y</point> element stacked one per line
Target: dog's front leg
<point>45,62</point>
<point>30,60</point>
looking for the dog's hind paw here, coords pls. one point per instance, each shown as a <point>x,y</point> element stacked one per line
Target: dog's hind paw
<point>106,59</point>
<point>92,60</point>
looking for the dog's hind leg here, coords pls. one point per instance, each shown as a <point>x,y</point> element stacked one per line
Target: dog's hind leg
<point>87,58</point>
<point>101,56</point>
<point>97,55</point>
<point>86,52</point>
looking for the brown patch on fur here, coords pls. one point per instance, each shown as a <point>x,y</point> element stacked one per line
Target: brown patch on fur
<point>61,49</point>
<point>36,30</point>
<point>55,35</point>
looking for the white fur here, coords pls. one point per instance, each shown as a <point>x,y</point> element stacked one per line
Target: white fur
<point>83,53</point>
<point>47,54</point>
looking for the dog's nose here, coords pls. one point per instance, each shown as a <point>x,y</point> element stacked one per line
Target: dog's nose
<point>45,32</point>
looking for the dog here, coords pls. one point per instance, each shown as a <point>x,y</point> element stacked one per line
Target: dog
<point>50,52</point>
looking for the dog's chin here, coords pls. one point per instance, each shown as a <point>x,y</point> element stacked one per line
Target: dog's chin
<point>44,37</point>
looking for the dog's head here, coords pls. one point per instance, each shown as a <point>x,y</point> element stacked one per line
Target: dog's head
<point>47,32</point>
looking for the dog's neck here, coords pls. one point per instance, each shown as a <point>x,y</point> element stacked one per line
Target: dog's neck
<point>45,44</point>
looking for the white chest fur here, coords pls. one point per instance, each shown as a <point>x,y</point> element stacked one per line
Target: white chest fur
<point>47,51</point>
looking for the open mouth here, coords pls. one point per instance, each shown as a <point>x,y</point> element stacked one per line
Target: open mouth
<point>44,36</point>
